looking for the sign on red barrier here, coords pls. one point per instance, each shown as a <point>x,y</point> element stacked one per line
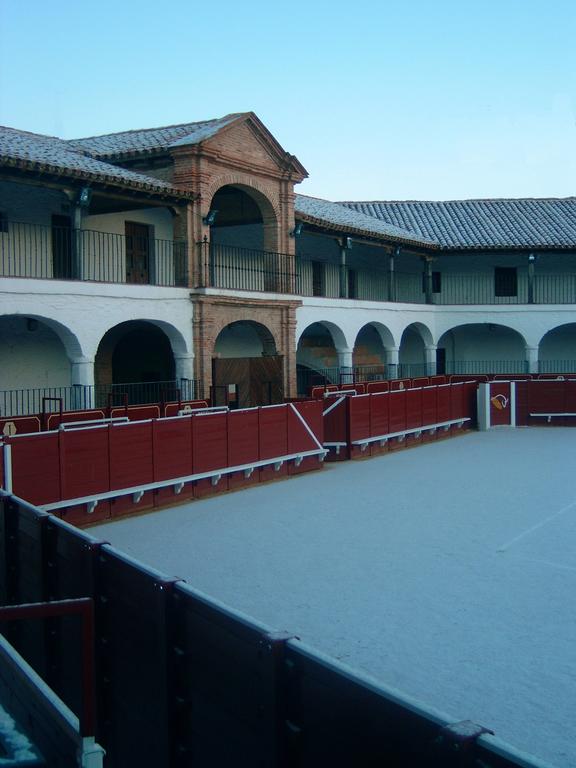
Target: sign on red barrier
<point>19,425</point>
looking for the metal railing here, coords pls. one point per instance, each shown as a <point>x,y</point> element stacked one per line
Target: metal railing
<point>25,402</point>
<point>245,269</point>
<point>61,253</point>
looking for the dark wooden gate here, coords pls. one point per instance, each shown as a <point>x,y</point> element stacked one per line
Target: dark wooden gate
<point>260,380</point>
<point>137,253</point>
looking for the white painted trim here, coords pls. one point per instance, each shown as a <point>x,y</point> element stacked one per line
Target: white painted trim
<point>331,408</point>
<point>312,435</point>
<point>7,455</point>
<point>412,430</point>
<point>139,490</point>
<point>512,403</point>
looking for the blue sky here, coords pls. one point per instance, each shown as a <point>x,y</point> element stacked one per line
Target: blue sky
<point>378,100</point>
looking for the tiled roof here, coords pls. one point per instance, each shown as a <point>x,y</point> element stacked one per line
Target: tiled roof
<point>34,151</point>
<point>469,224</point>
<point>152,139</point>
<point>346,220</point>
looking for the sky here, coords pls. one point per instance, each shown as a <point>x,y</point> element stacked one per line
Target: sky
<point>379,100</point>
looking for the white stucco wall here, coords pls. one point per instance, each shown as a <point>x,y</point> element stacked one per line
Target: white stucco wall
<point>31,355</point>
<point>80,314</point>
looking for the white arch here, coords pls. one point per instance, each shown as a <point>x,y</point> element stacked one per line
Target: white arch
<point>69,339</point>
<point>339,338</point>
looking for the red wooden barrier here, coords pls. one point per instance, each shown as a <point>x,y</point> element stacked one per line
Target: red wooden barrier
<point>210,439</point>
<point>379,421</point>
<point>299,437</point>
<point>53,420</point>
<point>273,438</point>
<point>243,446</point>
<point>36,467</point>
<point>19,425</point>
<point>377,386</point>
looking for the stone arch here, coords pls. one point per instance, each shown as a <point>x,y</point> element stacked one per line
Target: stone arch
<point>36,352</point>
<point>245,336</point>
<point>246,367</point>
<point>373,346</point>
<point>557,349</point>
<point>137,351</point>
<point>271,216</point>
<point>322,350</point>
<point>413,354</point>
<point>483,348</point>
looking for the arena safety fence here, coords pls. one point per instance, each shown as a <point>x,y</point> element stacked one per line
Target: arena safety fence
<point>377,422</point>
<point>527,402</point>
<point>90,471</point>
<point>185,681</point>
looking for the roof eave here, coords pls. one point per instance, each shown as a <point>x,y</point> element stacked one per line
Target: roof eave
<point>105,179</point>
<point>375,236</point>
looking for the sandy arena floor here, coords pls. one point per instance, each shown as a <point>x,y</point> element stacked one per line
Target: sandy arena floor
<point>447,571</point>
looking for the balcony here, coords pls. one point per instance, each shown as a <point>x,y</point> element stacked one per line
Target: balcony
<point>61,253</point>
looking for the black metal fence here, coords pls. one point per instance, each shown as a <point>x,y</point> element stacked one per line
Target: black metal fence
<point>61,253</point>
<point>245,269</point>
<point>183,680</point>
<point>24,402</point>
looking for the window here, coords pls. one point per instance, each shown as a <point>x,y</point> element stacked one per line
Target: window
<point>505,281</point>
<point>352,284</point>
<point>317,278</point>
<point>436,282</point>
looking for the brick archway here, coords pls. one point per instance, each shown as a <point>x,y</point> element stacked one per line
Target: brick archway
<point>213,313</point>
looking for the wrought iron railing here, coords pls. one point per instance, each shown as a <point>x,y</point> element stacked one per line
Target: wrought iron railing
<point>245,269</point>
<point>24,402</point>
<point>61,253</point>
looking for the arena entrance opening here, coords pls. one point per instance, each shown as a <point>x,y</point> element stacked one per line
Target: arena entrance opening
<point>246,369</point>
<point>135,358</point>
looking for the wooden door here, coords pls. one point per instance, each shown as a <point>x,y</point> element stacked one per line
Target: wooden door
<point>137,253</point>
<point>258,380</point>
<point>62,251</point>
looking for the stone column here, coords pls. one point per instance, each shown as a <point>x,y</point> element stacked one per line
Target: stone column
<point>184,364</point>
<point>345,366</point>
<point>82,378</point>
<point>430,355</point>
<point>532,359</point>
<point>392,362</point>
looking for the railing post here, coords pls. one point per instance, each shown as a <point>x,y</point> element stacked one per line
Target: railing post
<point>391,274</point>
<point>428,280</point>
<point>531,260</point>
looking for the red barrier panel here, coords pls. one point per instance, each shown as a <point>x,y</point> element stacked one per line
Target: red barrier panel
<point>172,409</point>
<point>299,438</point>
<point>500,410</point>
<point>243,437</point>
<point>318,391</point>
<point>172,448</point>
<point>377,386</point>
<point>137,412</point>
<point>210,450</point>
<point>359,422</point>
<point>53,420</point>
<point>429,405</point>
<point>19,425</point>
<point>443,402</point>
<point>546,397</point>
<point>84,466</point>
<point>413,408</point>
<point>397,413</point>
<point>243,446</point>
<point>336,425</point>
<point>273,438</point>
<point>36,467</point>
<point>1,465</point>
<point>435,380</point>
<point>422,381</point>
<point>379,415</point>
<point>397,384</point>
<point>131,455</point>
<point>359,412</point>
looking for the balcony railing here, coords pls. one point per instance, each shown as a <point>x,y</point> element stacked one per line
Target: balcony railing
<point>245,269</point>
<point>24,402</point>
<point>61,253</point>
